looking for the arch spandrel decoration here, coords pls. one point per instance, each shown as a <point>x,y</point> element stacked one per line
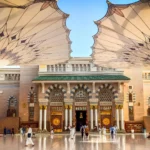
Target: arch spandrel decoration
<point>55,93</point>
<point>106,93</point>
<point>81,93</point>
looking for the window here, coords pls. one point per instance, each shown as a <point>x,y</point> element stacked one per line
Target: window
<point>130,97</point>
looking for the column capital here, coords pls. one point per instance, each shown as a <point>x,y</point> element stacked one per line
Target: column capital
<point>41,107</point>
<point>95,106</point>
<point>45,107</point>
<point>120,106</point>
<point>117,106</point>
<point>70,106</point>
<point>91,106</point>
<point>66,106</point>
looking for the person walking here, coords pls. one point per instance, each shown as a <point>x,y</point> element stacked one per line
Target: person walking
<point>104,131</point>
<point>12,132</point>
<point>23,130</point>
<point>72,132</point>
<point>112,131</point>
<point>99,130</point>
<point>29,137</point>
<point>82,131</point>
<point>5,131</point>
<point>87,132</point>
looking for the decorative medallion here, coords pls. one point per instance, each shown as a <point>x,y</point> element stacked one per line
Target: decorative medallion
<point>106,121</point>
<point>56,121</point>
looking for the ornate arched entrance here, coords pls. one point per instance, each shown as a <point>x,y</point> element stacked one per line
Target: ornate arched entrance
<point>56,94</point>
<point>106,95</point>
<point>81,95</point>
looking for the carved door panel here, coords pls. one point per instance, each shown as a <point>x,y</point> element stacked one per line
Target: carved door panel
<point>106,121</point>
<point>56,122</point>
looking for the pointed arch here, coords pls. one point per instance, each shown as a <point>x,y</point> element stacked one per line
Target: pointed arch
<point>52,87</point>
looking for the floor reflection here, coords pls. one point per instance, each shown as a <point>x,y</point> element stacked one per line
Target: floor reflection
<point>63,142</point>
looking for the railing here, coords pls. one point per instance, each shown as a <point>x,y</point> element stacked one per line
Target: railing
<point>12,77</point>
<point>146,76</point>
<point>56,68</point>
<point>81,67</point>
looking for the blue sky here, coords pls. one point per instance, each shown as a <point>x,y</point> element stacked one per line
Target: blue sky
<point>82,14</point>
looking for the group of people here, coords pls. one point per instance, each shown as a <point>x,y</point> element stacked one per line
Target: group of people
<point>23,130</point>
<point>84,131</point>
<point>102,130</point>
<point>12,131</point>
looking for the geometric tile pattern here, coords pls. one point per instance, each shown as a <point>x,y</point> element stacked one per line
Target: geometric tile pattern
<point>55,88</point>
<point>33,32</point>
<point>123,37</point>
<point>81,87</point>
<point>106,92</point>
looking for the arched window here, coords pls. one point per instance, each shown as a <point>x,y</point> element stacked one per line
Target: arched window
<point>130,97</point>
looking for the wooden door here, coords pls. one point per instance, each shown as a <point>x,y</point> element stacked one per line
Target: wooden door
<point>106,121</point>
<point>56,123</point>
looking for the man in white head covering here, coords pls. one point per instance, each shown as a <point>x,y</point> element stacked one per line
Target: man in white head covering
<point>72,132</point>
<point>29,135</point>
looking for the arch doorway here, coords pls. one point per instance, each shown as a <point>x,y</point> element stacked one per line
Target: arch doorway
<point>80,95</point>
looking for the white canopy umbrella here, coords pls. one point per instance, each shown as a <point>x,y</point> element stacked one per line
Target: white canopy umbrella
<point>33,32</point>
<point>123,38</point>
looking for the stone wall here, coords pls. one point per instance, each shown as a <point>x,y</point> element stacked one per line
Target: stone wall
<point>146,86</point>
<point>7,90</point>
<point>9,123</point>
<point>27,74</point>
<point>135,74</point>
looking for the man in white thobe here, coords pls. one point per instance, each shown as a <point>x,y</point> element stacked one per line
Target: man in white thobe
<point>29,135</point>
<point>72,132</point>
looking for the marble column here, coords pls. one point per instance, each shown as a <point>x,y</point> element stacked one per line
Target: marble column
<point>45,118</point>
<point>122,117</point>
<point>91,111</point>
<point>70,115</point>
<point>66,116</point>
<point>96,119</point>
<point>40,118</point>
<point>117,117</point>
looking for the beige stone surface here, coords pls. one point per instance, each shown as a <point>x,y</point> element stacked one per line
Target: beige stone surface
<point>9,123</point>
<point>7,91</point>
<point>27,74</point>
<point>135,74</point>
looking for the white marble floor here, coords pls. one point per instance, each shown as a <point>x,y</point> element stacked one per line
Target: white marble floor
<point>63,142</point>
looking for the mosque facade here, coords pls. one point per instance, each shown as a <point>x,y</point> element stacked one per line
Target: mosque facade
<point>73,94</point>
